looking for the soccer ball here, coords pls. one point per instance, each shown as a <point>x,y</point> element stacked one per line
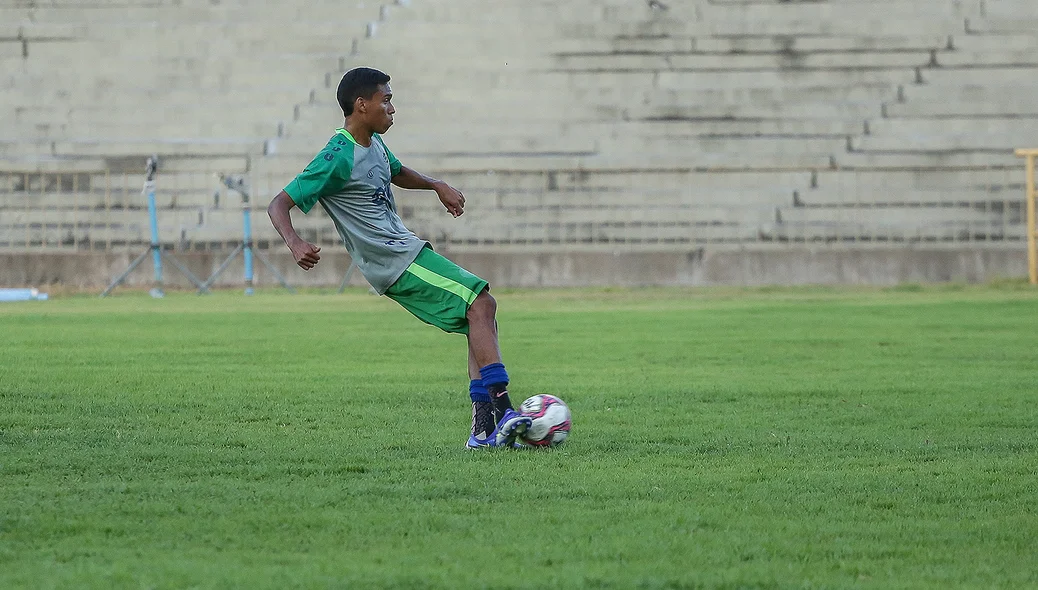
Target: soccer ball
<point>551,421</point>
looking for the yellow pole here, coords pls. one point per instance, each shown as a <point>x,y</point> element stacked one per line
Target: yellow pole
<point>1032,230</point>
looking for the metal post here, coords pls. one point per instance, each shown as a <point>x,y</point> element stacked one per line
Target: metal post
<point>1032,230</point>
<point>1032,223</point>
<point>156,253</point>
<point>247,220</point>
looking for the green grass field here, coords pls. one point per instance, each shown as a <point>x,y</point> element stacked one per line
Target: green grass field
<point>776,438</point>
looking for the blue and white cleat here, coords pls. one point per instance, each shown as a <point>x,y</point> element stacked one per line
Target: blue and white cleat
<point>487,443</point>
<point>480,443</point>
<point>512,425</point>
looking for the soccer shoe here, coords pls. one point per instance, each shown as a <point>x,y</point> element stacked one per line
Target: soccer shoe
<point>486,443</point>
<point>511,426</point>
<point>480,443</point>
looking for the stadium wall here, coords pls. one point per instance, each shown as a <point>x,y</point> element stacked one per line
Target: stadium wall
<point>523,267</point>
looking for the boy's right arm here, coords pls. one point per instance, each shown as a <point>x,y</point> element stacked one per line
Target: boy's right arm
<point>305,253</point>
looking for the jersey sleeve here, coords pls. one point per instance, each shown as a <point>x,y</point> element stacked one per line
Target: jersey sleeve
<point>326,175</point>
<point>394,163</point>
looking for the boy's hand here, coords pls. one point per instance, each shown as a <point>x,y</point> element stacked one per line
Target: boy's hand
<point>305,253</point>
<point>451,198</point>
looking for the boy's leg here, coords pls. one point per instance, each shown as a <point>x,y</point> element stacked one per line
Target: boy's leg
<point>443,294</point>
<point>485,351</point>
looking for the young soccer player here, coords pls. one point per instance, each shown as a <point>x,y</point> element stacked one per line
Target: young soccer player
<point>351,179</point>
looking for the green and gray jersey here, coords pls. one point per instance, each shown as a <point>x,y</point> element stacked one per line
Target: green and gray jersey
<point>352,183</point>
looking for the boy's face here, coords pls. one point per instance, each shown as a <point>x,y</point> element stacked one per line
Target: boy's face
<point>378,110</point>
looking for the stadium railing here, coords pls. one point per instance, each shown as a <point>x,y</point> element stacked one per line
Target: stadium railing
<point>105,210</point>
<point>1031,196</point>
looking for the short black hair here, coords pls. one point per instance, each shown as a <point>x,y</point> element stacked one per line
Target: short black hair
<point>358,83</point>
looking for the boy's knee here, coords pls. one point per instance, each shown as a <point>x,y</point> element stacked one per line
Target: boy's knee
<point>484,307</point>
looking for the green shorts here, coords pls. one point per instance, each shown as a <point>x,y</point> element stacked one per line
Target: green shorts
<point>437,291</point>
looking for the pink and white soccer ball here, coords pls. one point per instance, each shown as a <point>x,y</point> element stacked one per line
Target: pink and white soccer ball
<point>551,420</point>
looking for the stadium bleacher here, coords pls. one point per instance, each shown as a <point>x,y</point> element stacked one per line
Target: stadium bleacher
<point>585,122</point>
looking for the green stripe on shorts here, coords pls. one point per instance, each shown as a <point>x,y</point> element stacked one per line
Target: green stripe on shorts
<point>442,282</point>
<point>437,291</point>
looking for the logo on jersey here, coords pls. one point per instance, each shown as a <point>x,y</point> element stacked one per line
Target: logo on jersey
<point>384,195</point>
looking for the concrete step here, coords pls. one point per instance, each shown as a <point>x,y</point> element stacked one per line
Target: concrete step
<point>864,225</point>
<point>749,127</point>
<point>815,44</point>
<point>176,49</point>
<point>905,218</point>
<point>836,110</point>
<point>927,126</point>
<point>976,202</point>
<point>16,167</point>
<point>40,92</point>
<point>171,179</point>
<point>214,83</point>
<point>119,131</point>
<point>11,50</point>
<point>504,13</point>
<point>1010,9</point>
<point>174,218</point>
<point>752,62</point>
<point>941,142</point>
<point>457,144</point>
<point>144,71</point>
<point>548,32</point>
<point>118,148</point>
<point>620,215</point>
<point>899,10</point>
<point>778,93</point>
<point>620,197</point>
<point>98,167</point>
<point>967,100</point>
<point>168,15</point>
<point>1005,107</point>
<point>678,44</point>
<point>968,58</point>
<point>850,23</point>
<point>695,148</point>
<point>975,179</point>
<point>994,42</point>
<point>990,76</point>
<point>20,24</point>
<point>969,5</point>
<point>547,232</point>
<point>766,79</point>
<point>1003,24</point>
<point>925,160</point>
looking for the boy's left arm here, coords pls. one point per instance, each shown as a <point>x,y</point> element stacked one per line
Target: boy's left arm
<point>451,197</point>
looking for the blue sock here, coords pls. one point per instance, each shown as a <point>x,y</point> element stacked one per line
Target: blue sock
<point>477,392</point>
<point>494,375</point>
